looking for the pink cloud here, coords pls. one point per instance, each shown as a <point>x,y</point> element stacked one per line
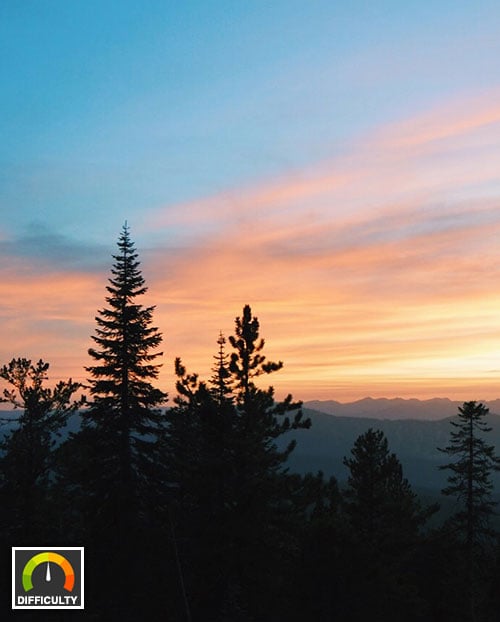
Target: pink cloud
<point>448,122</point>
<point>396,164</point>
<point>405,233</point>
<point>373,273</point>
<point>342,301</point>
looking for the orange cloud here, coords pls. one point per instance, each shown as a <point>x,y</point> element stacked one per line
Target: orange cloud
<point>374,273</point>
<point>48,316</point>
<point>356,302</point>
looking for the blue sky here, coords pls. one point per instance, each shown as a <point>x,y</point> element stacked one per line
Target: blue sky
<point>110,108</point>
<point>197,120</point>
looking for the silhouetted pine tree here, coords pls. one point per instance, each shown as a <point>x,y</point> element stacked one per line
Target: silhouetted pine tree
<point>28,509</point>
<point>262,534</point>
<point>470,479</point>
<point>124,402</point>
<point>378,497</point>
<point>470,483</point>
<point>232,504</point>
<point>197,451</point>
<point>116,453</point>
<point>258,412</point>
<point>384,517</point>
<point>220,382</point>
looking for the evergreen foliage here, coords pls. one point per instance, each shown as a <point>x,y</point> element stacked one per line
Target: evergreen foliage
<point>259,414</point>
<point>384,516</point>
<point>116,467</point>
<point>192,514</point>
<point>124,402</point>
<point>226,467</point>
<point>27,461</point>
<point>473,462</point>
<point>125,338</point>
<point>378,497</point>
<point>220,382</point>
<point>262,508</point>
<point>197,450</point>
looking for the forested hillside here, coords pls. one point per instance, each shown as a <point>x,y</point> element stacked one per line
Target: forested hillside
<point>414,441</point>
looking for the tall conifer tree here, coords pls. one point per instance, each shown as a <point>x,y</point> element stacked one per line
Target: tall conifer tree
<point>470,478</point>
<point>383,516</point>
<point>220,381</point>
<point>262,509</point>
<point>473,462</point>
<point>234,518</point>
<point>119,443</point>
<point>124,402</point>
<point>379,500</point>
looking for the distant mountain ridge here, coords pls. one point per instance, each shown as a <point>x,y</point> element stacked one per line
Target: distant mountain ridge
<point>395,408</point>
<point>415,442</point>
<point>414,429</point>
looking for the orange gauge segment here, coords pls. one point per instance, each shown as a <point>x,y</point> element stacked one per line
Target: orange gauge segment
<point>48,557</point>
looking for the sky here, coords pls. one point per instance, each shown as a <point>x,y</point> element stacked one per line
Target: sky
<point>336,165</point>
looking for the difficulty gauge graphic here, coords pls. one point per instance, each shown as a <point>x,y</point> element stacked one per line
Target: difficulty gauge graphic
<point>47,578</point>
<point>47,557</point>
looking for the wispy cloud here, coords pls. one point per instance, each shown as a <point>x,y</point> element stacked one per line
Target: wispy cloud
<point>49,315</point>
<point>421,161</point>
<point>363,267</point>
<point>45,249</point>
<point>376,271</point>
<point>447,124</point>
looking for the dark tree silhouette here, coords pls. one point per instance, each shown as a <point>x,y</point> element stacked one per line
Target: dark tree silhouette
<point>116,454</point>
<point>124,402</point>
<point>384,516</point>
<point>27,462</point>
<point>317,587</point>
<point>262,538</point>
<point>378,497</point>
<point>258,411</point>
<point>470,483</point>
<point>197,451</point>
<point>220,382</point>
<point>470,479</point>
<point>232,505</point>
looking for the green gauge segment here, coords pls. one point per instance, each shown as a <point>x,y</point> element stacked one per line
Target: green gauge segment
<point>54,558</point>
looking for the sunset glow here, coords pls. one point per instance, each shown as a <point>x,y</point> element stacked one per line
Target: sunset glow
<point>369,248</point>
